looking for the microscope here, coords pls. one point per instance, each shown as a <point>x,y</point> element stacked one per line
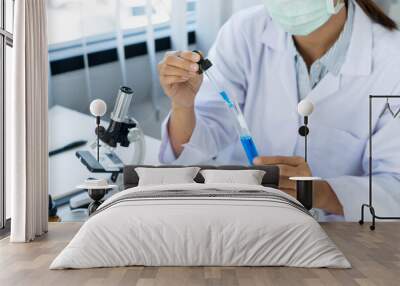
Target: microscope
<point>122,131</point>
<point>101,158</point>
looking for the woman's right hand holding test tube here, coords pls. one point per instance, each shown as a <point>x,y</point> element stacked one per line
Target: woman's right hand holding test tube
<point>181,82</point>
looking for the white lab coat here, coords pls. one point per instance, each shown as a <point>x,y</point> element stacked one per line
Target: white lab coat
<point>253,61</point>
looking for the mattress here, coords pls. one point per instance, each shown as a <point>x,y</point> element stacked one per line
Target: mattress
<point>201,225</point>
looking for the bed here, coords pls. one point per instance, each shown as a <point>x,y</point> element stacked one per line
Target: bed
<point>199,224</point>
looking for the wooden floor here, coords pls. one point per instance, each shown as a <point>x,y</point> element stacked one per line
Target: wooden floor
<point>375,257</point>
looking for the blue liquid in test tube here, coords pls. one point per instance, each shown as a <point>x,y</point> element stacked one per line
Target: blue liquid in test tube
<point>244,133</point>
<point>249,147</point>
<point>225,97</point>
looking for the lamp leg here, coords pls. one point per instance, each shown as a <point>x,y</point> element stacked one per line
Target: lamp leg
<point>306,148</point>
<point>372,227</point>
<point>98,138</point>
<point>303,132</point>
<point>306,139</point>
<point>98,148</point>
<point>305,193</point>
<point>96,196</point>
<point>361,221</point>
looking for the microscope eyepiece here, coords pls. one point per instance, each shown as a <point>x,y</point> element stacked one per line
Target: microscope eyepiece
<point>126,89</point>
<point>122,104</point>
<point>120,124</point>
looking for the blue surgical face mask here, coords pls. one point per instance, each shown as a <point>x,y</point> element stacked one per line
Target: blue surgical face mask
<point>302,17</point>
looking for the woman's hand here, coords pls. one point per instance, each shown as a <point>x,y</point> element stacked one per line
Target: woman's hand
<point>179,77</point>
<point>181,82</point>
<point>324,197</point>
<point>288,167</point>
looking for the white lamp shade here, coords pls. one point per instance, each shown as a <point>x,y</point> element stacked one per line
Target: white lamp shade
<point>305,108</point>
<point>98,107</point>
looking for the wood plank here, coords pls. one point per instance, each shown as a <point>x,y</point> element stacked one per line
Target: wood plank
<point>375,257</point>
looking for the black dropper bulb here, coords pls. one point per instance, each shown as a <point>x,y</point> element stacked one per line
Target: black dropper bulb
<point>204,64</point>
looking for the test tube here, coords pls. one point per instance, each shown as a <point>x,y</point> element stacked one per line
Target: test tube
<point>241,125</point>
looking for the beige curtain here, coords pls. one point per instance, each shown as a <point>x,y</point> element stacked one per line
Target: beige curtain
<point>27,137</point>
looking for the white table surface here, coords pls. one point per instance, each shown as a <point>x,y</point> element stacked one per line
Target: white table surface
<point>65,170</point>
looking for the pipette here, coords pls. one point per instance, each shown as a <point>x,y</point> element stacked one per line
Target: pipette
<point>241,125</point>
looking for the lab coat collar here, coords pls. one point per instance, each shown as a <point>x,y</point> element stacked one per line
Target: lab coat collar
<point>275,37</point>
<point>359,56</point>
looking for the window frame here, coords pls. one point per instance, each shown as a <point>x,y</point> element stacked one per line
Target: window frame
<point>108,41</point>
<point>101,42</point>
<point>6,39</point>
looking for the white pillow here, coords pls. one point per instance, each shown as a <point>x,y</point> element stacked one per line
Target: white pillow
<point>246,177</point>
<point>166,176</point>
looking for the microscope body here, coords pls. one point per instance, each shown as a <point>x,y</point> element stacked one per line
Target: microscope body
<point>116,133</point>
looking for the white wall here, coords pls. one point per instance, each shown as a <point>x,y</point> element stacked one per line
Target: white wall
<point>212,15</point>
<point>240,4</point>
<point>393,8</point>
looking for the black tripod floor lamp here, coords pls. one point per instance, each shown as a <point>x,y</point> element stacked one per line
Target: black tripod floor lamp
<point>395,115</point>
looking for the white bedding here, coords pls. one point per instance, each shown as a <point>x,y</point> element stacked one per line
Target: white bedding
<point>200,232</point>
